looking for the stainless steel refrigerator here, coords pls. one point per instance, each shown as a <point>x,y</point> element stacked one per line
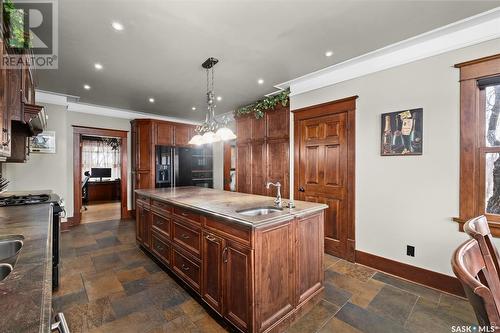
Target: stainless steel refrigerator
<point>177,166</point>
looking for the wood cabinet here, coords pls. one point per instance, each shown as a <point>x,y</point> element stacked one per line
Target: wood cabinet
<point>213,253</point>
<point>257,279</point>
<point>262,152</point>
<point>146,134</point>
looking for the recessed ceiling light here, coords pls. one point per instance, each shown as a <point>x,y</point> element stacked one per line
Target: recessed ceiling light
<point>98,66</point>
<point>219,98</point>
<point>328,53</point>
<point>193,108</point>
<point>151,100</point>
<point>86,87</point>
<point>117,26</point>
<point>260,81</point>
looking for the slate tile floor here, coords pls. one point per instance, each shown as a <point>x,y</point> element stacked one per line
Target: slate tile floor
<point>109,285</point>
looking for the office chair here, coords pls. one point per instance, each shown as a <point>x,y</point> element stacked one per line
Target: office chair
<point>85,189</point>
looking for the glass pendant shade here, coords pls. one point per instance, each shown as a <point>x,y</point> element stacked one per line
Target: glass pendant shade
<point>225,134</point>
<point>196,140</point>
<point>211,130</point>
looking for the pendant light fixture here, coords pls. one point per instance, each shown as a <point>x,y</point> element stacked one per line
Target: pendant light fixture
<point>211,130</point>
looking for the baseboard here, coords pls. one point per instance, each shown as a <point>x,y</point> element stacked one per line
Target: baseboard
<point>435,280</point>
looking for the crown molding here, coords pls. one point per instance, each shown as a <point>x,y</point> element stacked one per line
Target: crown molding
<point>72,105</point>
<point>470,31</point>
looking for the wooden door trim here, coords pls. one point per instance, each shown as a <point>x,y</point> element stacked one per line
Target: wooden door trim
<point>347,105</point>
<point>227,167</point>
<point>78,131</point>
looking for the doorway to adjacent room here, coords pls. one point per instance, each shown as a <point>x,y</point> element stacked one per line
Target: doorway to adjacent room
<point>100,177</point>
<point>324,168</point>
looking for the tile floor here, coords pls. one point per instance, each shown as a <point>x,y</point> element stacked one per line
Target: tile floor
<point>109,285</point>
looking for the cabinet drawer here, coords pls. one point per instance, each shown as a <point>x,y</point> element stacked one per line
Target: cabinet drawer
<point>162,207</point>
<point>234,231</point>
<point>161,225</point>
<point>142,199</point>
<point>187,269</point>
<point>161,248</point>
<point>187,238</point>
<point>187,214</point>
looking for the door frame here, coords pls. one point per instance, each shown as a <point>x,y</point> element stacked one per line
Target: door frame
<point>347,105</point>
<point>78,132</point>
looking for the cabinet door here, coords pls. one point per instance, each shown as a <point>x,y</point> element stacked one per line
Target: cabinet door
<point>278,166</point>
<point>164,134</point>
<point>148,218</point>
<point>258,168</point>
<point>238,285</point>
<point>278,123</point>
<point>143,146</point>
<point>139,223</point>
<point>182,135</point>
<point>243,168</point>
<point>14,93</point>
<point>243,129</point>
<point>211,289</point>
<point>258,128</point>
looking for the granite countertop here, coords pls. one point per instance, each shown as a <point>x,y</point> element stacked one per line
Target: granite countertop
<point>225,204</point>
<point>26,294</point>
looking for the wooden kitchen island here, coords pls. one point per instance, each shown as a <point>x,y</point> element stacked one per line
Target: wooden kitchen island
<point>258,273</point>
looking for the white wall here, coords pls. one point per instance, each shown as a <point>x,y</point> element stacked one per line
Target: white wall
<point>55,171</point>
<point>408,200</point>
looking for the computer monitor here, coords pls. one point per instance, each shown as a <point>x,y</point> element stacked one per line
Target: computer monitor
<point>100,173</point>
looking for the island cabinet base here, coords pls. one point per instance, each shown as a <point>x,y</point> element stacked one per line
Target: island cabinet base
<point>257,278</point>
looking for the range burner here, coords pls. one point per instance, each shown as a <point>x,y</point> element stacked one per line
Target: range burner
<point>19,200</point>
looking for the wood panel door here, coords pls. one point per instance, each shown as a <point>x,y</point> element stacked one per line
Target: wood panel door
<point>182,135</point>
<point>212,268</point>
<point>323,174</point>
<point>143,146</point>
<point>15,93</point>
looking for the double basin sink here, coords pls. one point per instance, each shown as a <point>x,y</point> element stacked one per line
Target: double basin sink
<point>10,246</point>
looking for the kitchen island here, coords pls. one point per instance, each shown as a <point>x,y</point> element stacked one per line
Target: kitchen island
<point>258,269</point>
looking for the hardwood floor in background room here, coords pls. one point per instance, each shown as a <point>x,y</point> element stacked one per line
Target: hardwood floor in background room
<point>109,285</point>
<point>98,212</point>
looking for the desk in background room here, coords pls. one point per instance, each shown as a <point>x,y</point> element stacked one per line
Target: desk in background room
<point>106,190</point>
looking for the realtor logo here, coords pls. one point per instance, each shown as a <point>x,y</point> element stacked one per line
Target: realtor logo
<point>31,36</point>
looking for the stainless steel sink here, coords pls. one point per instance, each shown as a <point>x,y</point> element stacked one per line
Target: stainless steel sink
<point>5,270</point>
<point>257,211</point>
<point>9,248</point>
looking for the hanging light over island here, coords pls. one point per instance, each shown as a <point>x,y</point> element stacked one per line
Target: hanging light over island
<point>211,130</point>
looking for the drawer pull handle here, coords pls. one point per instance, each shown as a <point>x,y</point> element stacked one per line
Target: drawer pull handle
<point>185,236</point>
<point>210,238</point>
<point>185,268</point>
<point>184,214</point>
<point>159,222</point>
<point>160,248</point>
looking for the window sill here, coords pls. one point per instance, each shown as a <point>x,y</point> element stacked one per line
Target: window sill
<point>494,226</point>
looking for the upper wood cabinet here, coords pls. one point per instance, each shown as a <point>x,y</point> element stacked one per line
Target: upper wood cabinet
<point>262,152</point>
<point>164,134</point>
<point>183,134</point>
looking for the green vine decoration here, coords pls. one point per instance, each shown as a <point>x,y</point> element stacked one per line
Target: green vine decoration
<point>260,107</point>
<point>18,39</point>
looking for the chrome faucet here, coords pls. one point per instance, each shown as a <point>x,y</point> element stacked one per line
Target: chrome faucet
<point>277,201</point>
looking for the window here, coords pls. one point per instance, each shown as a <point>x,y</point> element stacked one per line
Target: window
<point>98,152</point>
<point>480,141</point>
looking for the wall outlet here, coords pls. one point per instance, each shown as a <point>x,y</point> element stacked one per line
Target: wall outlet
<point>410,250</point>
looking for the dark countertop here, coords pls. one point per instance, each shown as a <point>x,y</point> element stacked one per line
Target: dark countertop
<point>225,204</point>
<point>26,294</point>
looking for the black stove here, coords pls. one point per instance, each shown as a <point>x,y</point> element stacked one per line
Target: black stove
<point>19,200</point>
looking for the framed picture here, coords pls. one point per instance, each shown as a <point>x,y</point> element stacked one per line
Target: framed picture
<point>44,142</point>
<point>402,133</point>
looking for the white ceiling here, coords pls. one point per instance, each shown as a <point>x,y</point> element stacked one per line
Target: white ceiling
<point>160,51</point>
